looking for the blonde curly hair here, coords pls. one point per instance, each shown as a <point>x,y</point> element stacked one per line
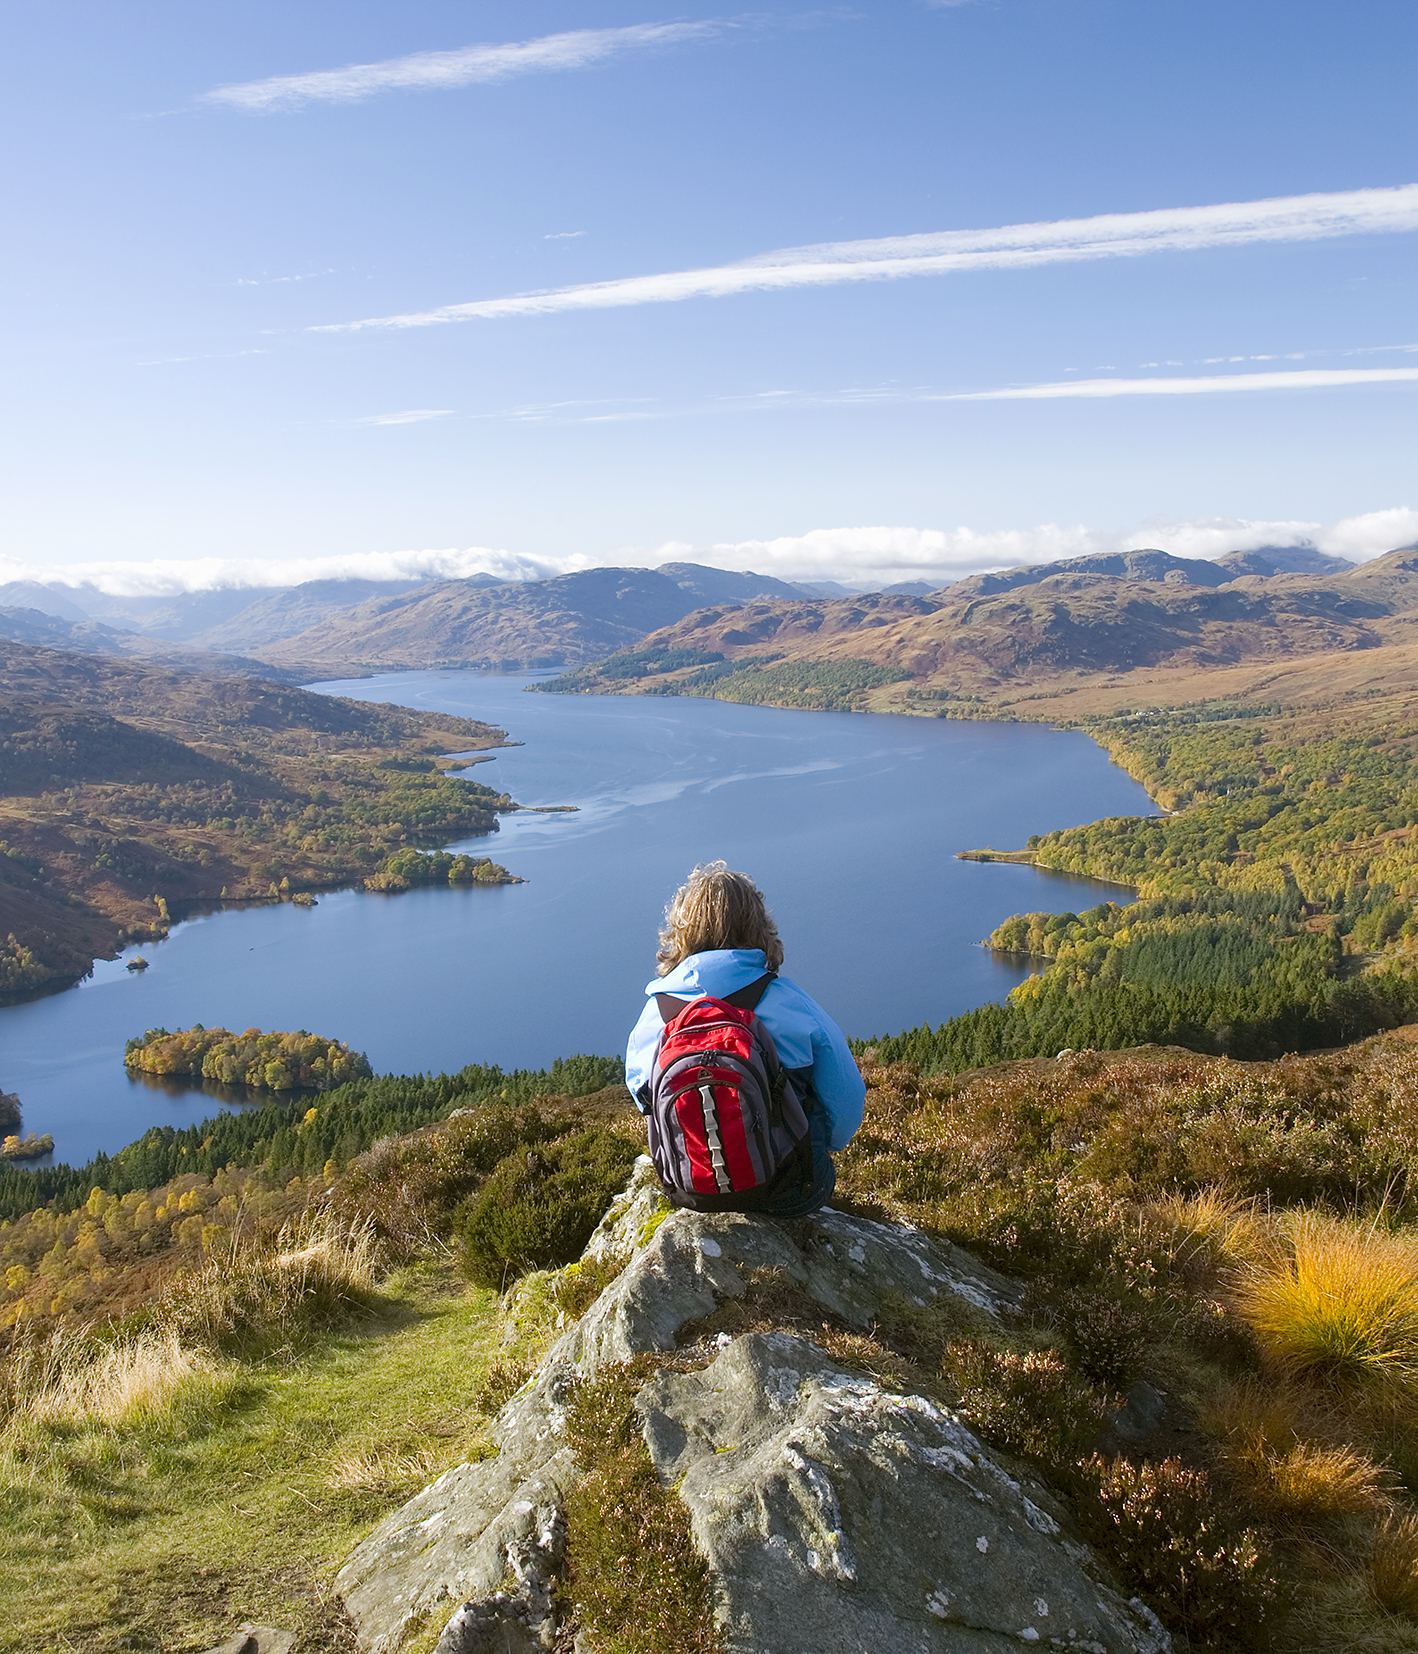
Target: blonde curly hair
<point>717,908</point>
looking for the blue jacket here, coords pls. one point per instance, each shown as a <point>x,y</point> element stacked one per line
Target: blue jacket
<point>806,1037</point>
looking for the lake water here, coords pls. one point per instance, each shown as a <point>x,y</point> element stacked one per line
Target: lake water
<point>850,824</point>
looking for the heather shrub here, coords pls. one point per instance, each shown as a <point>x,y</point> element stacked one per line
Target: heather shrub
<point>407,1188</point>
<point>1030,1402</point>
<point>637,1585</point>
<point>1108,1334</point>
<point>1203,1572</point>
<point>539,1206</point>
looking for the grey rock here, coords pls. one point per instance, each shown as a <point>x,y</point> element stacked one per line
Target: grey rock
<point>257,1639</point>
<point>851,1266</point>
<point>489,1536</point>
<point>271,1641</point>
<point>838,1518</point>
<point>1141,1413</point>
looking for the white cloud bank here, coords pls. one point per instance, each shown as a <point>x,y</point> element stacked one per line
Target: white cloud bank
<point>1290,218</point>
<point>884,556</point>
<point>863,557</point>
<point>466,66</point>
<point>170,577</point>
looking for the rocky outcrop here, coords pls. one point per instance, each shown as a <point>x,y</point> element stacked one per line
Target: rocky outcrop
<point>836,1516</point>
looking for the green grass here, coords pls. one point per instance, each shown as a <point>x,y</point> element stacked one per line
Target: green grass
<point>242,1494</point>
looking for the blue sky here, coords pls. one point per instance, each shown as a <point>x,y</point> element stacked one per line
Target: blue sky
<point>208,197</point>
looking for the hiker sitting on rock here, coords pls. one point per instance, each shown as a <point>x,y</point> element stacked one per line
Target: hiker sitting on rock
<point>747,1083</point>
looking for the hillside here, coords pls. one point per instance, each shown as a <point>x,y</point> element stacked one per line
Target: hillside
<point>227,618</point>
<point>128,790</point>
<point>558,622</point>
<point>1043,1354</point>
<point>90,637</point>
<point>1061,631</point>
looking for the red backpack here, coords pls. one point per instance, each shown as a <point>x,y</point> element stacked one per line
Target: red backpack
<point>726,1123</point>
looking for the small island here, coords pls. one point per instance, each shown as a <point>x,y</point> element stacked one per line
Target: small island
<point>298,1061</point>
<point>32,1147</point>
<point>406,868</point>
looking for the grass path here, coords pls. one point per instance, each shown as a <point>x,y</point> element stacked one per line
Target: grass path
<point>241,1500</point>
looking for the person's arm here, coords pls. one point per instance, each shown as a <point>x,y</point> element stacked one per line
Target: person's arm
<point>640,1050</point>
<point>837,1081</point>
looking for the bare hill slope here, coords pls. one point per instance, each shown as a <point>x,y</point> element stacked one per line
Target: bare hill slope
<point>1061,631</point>
<point>565,621</point>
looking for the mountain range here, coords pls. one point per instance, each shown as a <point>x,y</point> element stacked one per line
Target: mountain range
<point>1098,614</point>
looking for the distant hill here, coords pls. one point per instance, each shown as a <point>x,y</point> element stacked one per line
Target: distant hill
<point>1057,627</point>
<point>90,637</point>
<point>284,611</point>
<point>1119,565</point>
<point>29,594</point>
<point>564,621</point>
<point>1268,560</point>
<point>233,617</point>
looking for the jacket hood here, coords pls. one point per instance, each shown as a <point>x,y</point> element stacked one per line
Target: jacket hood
<point>719,972</point>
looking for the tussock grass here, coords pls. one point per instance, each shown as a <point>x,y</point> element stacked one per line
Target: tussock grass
<point>68,1382</point>
<point>1394,1571</point>
<point>1211,1224</point>
<point>1274,1438</point>
<point>1337,1300</point>
<point>1311,1480</point>
<point>317,1274</point>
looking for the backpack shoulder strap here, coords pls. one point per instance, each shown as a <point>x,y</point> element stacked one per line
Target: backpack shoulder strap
<point>744,999</point>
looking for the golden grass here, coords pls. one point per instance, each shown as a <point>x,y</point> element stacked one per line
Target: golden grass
<point>382,1470</point>
<point>1312,1480</point>
<point>1274,1437</point>
<point>317,1274</point>
<point>1212,1220</point>
<point>67,1381</point>
<point>1394,1574</point>
<point>1336,1300</point>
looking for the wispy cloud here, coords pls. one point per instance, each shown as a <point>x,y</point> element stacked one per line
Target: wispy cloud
<point>1292,379</point>
<point>466,66</point>
<point>563,235</point>
<point>405,416</point>
<point>1011,247</point>
<point>204,356</point>
<point>277,281</point>
<point>617,409</point>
